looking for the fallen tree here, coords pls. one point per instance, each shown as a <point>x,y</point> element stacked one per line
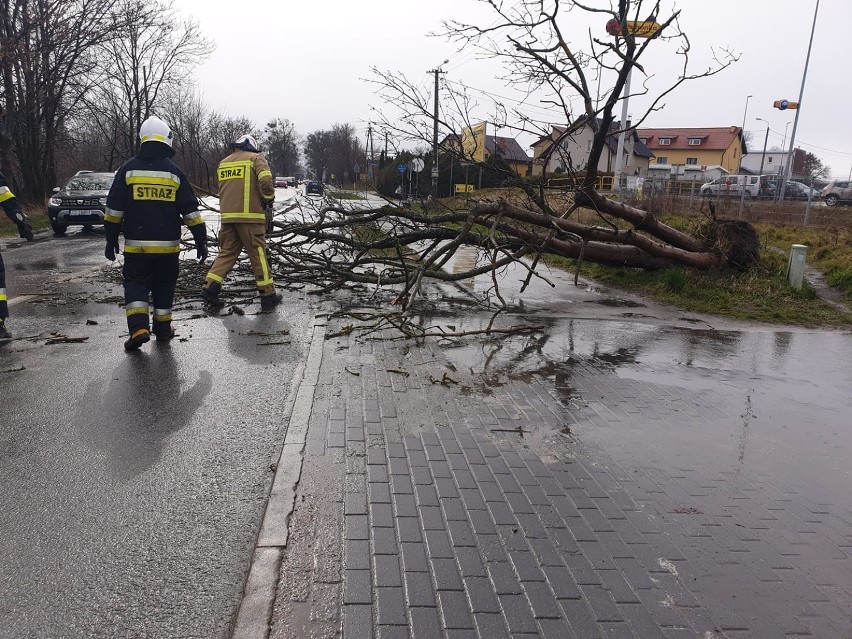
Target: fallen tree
<point>402,245</point>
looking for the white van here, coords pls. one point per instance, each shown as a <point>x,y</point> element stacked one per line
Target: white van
<point>755,186</point>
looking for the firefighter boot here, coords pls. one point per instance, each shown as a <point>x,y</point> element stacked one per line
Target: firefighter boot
<point>210,295</point>
<point>165,336</point>
<point>269,302</point>
<point>136,339</point>
<point>5,335</point>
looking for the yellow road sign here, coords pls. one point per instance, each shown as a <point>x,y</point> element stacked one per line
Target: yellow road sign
<point>473,142</point>
<point>643,29</point>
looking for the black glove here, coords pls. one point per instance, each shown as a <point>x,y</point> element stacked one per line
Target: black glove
<point>201,252</point>
<point>111,249</point>
<point>25,231</point>
<point>269,215</point>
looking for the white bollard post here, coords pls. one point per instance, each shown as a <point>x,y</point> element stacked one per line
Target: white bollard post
<point>796,266</point>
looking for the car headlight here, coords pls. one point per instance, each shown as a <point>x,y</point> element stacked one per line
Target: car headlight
<point>55,201</point>
<point>102,201</point>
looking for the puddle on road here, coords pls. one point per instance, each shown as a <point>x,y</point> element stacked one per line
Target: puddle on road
<point>653,390</point>
<point>618,302</point>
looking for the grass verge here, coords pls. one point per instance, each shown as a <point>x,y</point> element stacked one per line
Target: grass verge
<point>38,220</point>
<point>762,294</point>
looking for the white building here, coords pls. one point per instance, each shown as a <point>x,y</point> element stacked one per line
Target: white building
<point>774,162</point>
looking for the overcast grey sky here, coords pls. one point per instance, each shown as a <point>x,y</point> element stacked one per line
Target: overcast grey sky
<point>306,62</point>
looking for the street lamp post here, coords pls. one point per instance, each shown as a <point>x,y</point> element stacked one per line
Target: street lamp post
<point>788,171</point>
<point>765,140</point>
<point>783,166</point>
<point>742,131</point>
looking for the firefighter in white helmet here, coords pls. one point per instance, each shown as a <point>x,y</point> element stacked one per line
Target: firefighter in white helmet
<point>149,199</point>
<point>246,194</point>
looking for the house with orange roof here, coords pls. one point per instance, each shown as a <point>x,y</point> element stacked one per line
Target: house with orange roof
<point>677,150</point>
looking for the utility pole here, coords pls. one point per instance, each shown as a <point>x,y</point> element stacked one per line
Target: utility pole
<point>765,140</point>
<point>742,134</point>
<point>437,71</point>
<point>788,171</point>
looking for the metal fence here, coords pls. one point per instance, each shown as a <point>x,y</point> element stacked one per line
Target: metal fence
<point>603,183</point>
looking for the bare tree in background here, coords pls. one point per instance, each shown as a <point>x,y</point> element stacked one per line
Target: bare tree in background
<point>318,153</point>
<point>332,154</point>
<point>195,141</point>
<point>280,144</point>
<point>46,63</point>
<point>148,63</point>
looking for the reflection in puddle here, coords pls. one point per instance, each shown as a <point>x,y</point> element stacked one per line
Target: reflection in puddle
<point>618,302</point>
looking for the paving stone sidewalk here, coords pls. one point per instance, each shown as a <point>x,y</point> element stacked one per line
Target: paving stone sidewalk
<point>431,505</point>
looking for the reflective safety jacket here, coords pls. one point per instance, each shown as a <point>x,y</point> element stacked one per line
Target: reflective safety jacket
<point>245,187</point>
<point>149,198</point>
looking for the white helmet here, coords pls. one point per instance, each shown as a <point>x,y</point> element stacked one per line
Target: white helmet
<point>155,130</point>
<point>246,142</point>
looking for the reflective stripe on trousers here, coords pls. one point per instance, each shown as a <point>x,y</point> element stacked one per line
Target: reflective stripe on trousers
<point>233,238</point>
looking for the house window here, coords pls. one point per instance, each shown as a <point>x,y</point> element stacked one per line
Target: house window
<point>694,141</point>
<point>692,160</point>
<point>662,160</point>
<point>665,141</point>
<point>770,159</point>
<point>643,140</point>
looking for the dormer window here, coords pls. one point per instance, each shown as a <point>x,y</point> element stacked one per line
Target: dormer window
<point>694,141</point>
<point>643,140</point>
<point>665,141</point>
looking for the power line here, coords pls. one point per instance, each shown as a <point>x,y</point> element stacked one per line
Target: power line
<point>800,143</point>
<point>543,110</point>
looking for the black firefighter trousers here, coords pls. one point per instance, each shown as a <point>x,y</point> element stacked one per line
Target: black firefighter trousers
<point>150,278</point>
<point>4,307</point>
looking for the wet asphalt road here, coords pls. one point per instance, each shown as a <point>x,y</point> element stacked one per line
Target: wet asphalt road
<point>131,486</point>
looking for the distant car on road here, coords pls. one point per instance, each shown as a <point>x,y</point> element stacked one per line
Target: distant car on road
<point>313,188</point>
<point>837,191</point>
<point>82,201</point>
<point>281,182</point>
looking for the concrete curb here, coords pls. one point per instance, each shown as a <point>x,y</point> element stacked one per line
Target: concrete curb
<point>255,612</point>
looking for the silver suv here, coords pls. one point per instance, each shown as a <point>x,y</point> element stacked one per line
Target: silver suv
<point>837,191</point>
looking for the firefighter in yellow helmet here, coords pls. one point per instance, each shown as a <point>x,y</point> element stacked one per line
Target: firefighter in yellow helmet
<point>149,199</point>
<point>246,194</point>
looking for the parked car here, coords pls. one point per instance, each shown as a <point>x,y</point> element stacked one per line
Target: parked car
<point>313,188</point>
<point>291,181</point>
<point>755,186</point>
<point>82,201</point>
<point>281,182</point>
<point>800,191</point>
<point>837,191</point>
